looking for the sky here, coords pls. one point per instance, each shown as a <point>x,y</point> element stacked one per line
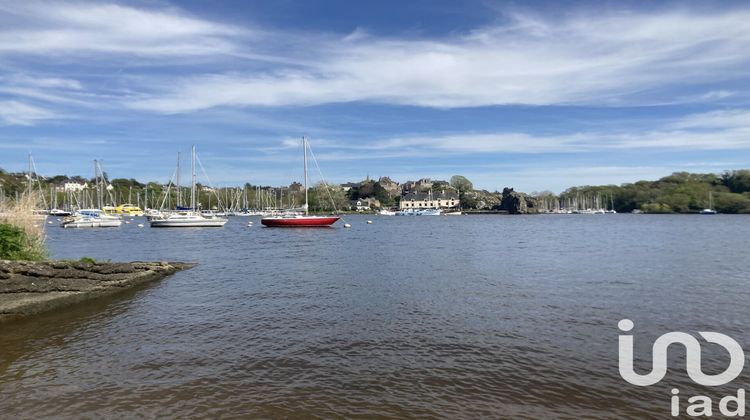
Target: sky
<point>533,95</point>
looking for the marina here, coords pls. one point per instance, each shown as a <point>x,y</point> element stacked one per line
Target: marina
<point>374,210</point>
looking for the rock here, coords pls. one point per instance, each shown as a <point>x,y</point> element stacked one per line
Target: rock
<point>517,203</point>
<point>27,288</point>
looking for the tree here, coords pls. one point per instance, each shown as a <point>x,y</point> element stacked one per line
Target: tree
<point>460,183</point>
<point>366,189</point>
<point>326,197</point>
<point>732,203</point>
<point>382,195</point>
<point>737,181</point>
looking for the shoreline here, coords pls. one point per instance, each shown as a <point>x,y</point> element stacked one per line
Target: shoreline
<point>28,288</point>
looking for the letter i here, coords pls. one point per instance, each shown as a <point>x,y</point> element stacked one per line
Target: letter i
<point>675,402</point>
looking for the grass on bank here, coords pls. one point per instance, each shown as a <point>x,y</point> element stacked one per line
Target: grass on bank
<point>21,232</point>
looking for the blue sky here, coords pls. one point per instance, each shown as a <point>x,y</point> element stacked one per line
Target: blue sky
<point>539,96</point>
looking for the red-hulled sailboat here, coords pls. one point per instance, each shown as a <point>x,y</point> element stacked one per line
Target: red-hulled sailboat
<point>296,220</point>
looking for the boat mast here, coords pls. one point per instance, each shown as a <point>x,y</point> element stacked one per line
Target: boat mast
<point>304,148</point>
<point>30,180</point>
<point>192,180</point>
<point>98,185</point>
<point>179,194</point>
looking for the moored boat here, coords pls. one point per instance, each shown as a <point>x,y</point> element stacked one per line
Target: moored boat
<point>710,209</point>
<point>297,220</point>
<point>186,219</point>
<point>86,218</point>
<point>189,217</point>
<point>60,213</point>
<point>419,212</point>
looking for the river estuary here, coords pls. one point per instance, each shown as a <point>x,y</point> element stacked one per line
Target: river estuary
<point>457,317</point>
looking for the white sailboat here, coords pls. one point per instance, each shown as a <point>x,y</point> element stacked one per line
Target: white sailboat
<point>94,217</point>
<point>191,217</point>
<point>90,218</point>
<point>710,209</point>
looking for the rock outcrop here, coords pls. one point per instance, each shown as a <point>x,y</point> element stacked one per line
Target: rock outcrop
<point>27,287</point>
<point>517,203</point>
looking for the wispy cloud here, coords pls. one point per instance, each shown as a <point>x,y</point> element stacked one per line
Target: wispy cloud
<point>716,130</point>
<point>57,28</point>
<point>727,118</point>
<point>609,58</point>
<point>19,113</point>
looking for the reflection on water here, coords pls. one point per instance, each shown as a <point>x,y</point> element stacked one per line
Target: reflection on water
<point>452,317</point>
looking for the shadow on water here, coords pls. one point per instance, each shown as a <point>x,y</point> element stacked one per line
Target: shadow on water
<point>23,337</point>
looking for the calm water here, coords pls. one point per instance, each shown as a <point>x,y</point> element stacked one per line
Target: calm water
<point>460,317</point>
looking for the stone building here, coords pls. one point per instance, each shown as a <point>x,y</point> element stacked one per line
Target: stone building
<point>391,187</point>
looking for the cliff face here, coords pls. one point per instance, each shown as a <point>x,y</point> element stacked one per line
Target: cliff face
<point>27,288</point>
<point>517,203</point>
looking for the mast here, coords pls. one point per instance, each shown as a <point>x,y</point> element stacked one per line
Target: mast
<point>179,195</point>
<point>96,181</point>
<point>31,181</point>
<point>304,148</point>
<point>192,179</point>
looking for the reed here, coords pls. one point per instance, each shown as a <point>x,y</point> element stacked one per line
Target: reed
<point>22,235</point>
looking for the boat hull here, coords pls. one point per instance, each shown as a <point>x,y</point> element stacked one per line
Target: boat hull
<point>187,223</point>
<point>311,221</point>
<point>91,224</point>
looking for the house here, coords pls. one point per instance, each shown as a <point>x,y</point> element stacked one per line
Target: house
<point>364,204</point>
<point>74,186</point>
<point>296,187</point>
<point>429,200</point>
<point>423,184</point>
<point>391,187</point>
<point>350,185</point>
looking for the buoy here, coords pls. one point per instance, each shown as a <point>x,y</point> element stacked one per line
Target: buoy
<point>347,225</point>
<point>369,222</point>
<point>127,221</point>
<point>140,224</point>
<point>131,219</point>
<point>49,223</point>
<point>58,220</point>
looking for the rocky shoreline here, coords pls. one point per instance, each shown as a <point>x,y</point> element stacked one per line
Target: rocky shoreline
<point>28,287</point>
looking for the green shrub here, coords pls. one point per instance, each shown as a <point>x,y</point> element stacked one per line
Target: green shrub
<point>15,245</point>
<point>87,260</point>
<point>656,208</point>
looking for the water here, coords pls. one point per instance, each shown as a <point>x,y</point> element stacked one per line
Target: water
<point>460,317</point>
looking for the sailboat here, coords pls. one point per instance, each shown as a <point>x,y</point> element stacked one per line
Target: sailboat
<point>94,217</point>
<point>299,220</point>
<point>190,217</point>
<point>710,209</point>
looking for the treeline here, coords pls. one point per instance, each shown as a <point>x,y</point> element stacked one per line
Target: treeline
<point>680,192</point>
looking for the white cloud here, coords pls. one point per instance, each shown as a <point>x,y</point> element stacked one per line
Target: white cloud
<point>47,89</point>
<point>19,113</point>
<point>605,59</point>
<point>56,28</point>
<point>718,130</point>
<point>739,118</point>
